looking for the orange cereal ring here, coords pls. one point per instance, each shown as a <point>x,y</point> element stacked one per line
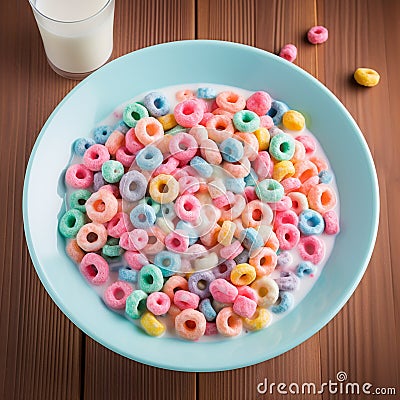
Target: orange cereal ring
<point>234,210</point>
<point>299,152</point>
<point>231,101</point>
<point>220,111</point>
<point>264,262</point>
<point>257,213</point>
<point>91,237</point>
<point>114,142</point>
<point>101,206</point>
<point>173,284</point>
<point>308,184</point>
<point>75,253</point>
<point>320,163</point>
<point>238,169</point>
<point>228,323</point>
<point>220,123</point>
<point>190,324</point>
<point>272,242</point>
<point>210,152</point>
<point>304,170</point>
<point>321,198</point>
<point>148,130</point>
<point>210,239</point>
<point>250,143</point>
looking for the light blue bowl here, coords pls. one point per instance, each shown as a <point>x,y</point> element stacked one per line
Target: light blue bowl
<point>191,62</point>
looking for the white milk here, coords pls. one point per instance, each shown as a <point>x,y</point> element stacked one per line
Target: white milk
<point>77,35</point>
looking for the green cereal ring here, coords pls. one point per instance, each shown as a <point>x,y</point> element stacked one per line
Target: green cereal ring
<point>269,190</point>
<point>112,248</point>
<point>133,112</point>
<point>282,147</point>
<point>71,222</point>
<point>246,121</point>
<point>112,171</point>
<point>176,129</point>
<point>150,202</point>
<point>150,279</point>
<point>78,199</point>
<point>136,304</point>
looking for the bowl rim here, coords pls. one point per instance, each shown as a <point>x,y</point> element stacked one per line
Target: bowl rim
<point>311,329</point>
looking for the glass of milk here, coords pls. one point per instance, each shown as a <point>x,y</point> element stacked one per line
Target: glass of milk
<point>77,34</point>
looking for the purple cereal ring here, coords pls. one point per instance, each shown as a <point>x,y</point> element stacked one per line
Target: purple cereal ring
<point>284,259</point>
<point>78,176</point>
<point>223,270</point>
<point>288,236</point>
<point>287,281</point>
<point>94,268</point>
<point>199,283</point>
<point>311,248</point>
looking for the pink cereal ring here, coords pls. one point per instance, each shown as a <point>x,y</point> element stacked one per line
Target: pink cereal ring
<point>299,152</point>
<point>257,213</point>
<point>94,268</point>
<point>75,253</point>
<point>304,170</point>
<point>263,165</point>
<point>210,152</point>
<point>239,169</point>
<point>308,184</point>
<point>234,210</point>
<point>211,329</point>
<point>331,223</point>
<point>317,34</point>
<point>101,206</point>
<point>283,204</point>
<point>288,236</point>
<point>250,193</point>
<point>116,294</point>
<point>320,163</point>
<point>185,94</point>
<point>199,133</point>
<point>286,217</point>
<point>189,113</point>
<point>114,142</point>
<point>299,202</point>
<point>228,323</point>
<point>188,185</point>
<point>220,123</point>
<point>177,241</point>
<point>321,198</point>
<point>311,248</point>
<point>231,101</point>
<point>156,240</point>
<point>259,102</point>
<point>139,238</point>
<point>183,146</point>
<point>206,117</point>
<point>124,156</point>
<point>309,144</point>
<point>95,156</point>
<point>132,143</point>
<point>244,307</point>
<point>126,243</point>
<point>173,284</point>
<point>179,173</point>
<point>187,207</point>
<point>220,111</point>
<point>185,299</point>
<point>250,144</point>
<point>224,200</point>
<point>264,261</point>
<point>266,121</point>
<point>79,176</point>
<point>158,303</point>
<point>288,52</point>
<point>92,237</point>
<point>290,184</point>
<point>248,292</point>
<point>223,291</point>
<point>169,166</point>
<point>118,225</point>
<point>148,130</point>
<point>135,260</point>
<point>231,251</point>
<point>113,189</point>
<point>190,324</point>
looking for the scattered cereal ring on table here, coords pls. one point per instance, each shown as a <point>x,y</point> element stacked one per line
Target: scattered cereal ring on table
<point>366,77</point>
<point>288,52</point>
<point>317,34</point>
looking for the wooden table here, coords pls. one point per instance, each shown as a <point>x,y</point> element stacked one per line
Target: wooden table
<point>44,356</point>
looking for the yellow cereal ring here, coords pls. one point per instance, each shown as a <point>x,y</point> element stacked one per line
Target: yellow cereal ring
<point>151,324</point>
<point>267,290</point>
<point>167,121</point>
<point>283,170</point>
<point>263,138</point>
<point>366,77</point>
<point>243,274</point>
<point>293,120</point>
<point>164,188</point>
<point>225,235</point>
<point>260,319</point>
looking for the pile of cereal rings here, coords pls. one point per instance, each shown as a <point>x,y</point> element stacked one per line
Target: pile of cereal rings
<point>186,217</point>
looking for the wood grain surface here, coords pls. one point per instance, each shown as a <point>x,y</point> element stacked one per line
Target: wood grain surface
<point>44,356</point>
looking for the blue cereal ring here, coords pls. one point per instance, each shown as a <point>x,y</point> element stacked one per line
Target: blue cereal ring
<point>81,145</point>
<point>235,185</point>
<point>278,108</point>
<point>206,93</point>
<point>143,216</point>
<point>325,176</point>
<point>286,302</point>
<point>149,158</point>
<point>189,230</point>
<point>136,304</point>
<point>78,199</point>
<point>202,167</point>
<point>149,201</point>
<point>128,274</point>
<point>157,104</point>
<point>251,179</point>
<point>282,147</point>
<point>133,113</point>
<point>305,268</point>
<point>311,222</point>
<point>150,279</point>
<point>112,171</point>
<point>207,310</point>
<point>269,190</point>
<point>168,263</point>
<point>231,150</point>
<point>199,283</point>
<point>102,133</point>
<point>246,121</point>
<point>132,186</point>
<point>287,281</point>
<point>121,126</point>
<point>251,239</point>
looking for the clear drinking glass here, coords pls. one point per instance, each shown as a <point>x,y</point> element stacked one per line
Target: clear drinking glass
<point>77,34</point>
